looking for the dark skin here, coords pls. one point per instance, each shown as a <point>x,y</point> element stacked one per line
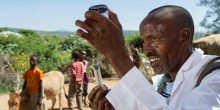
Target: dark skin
<point>100,102</point>
<point>166,44</point>
<point>33,64</point>
<point>109,43</point>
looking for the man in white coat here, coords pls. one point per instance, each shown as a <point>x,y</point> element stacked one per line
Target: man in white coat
<point>167,34</point>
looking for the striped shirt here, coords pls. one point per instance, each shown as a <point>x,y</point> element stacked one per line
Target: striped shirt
<point>77,69</point>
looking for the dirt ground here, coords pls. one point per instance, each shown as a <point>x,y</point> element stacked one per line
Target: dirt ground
<point>108,82</point>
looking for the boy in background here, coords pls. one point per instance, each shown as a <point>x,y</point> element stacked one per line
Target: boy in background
<point>86,80</point>
<point>76,83</point>
<point>33,85</point>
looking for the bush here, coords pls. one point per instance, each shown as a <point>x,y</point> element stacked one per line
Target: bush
<point>54,53</point>
<point>134,40</point>
<point>3,90</point>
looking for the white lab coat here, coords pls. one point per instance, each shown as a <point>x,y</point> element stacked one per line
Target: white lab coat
<point>134,92</point>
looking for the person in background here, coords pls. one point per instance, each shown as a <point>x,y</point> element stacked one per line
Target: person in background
<point>82,58</point>
<point>136,57</point>
<point>76,84</point>
<point>167,34</point>
<point>32,90</point>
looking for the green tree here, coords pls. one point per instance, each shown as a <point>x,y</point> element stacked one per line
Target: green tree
<point>134,40</point>
<point>54,53</point>
<point>211,20</point>
<point>8,44</point>
<point>74,42</point>
<point>4,29</point>
<point>26,32</point>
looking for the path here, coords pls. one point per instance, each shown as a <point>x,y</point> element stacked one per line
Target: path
<point>109,82</point>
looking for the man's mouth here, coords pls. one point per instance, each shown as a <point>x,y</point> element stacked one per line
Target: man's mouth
<point>154,61</point>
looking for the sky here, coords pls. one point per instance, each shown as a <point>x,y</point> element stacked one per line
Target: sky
<point>53,15</point>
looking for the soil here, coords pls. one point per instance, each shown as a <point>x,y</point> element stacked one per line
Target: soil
<point>108,82</point>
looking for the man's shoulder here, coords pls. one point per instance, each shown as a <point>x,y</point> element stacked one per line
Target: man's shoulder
<point>202,58</point>
<point>208,58</point>
<point>210,69</point>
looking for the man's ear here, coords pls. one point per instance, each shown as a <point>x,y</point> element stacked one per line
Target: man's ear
<point>185,37</point>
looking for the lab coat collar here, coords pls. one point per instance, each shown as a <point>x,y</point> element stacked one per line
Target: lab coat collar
<point>191,62</point>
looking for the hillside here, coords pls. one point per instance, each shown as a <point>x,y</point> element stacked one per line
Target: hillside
<point>62,32</point>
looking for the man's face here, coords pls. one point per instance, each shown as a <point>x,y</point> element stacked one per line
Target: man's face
<point>161,45</point>
<point>33,61</point>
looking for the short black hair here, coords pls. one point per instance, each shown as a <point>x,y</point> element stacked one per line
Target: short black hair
<point>184,17</point>
<point>36,56</point>
<point>75,54</point>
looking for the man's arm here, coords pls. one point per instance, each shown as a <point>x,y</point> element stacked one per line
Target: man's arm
<point>107,37</point>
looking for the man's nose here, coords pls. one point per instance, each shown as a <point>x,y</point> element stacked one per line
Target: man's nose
<point>148,48</point>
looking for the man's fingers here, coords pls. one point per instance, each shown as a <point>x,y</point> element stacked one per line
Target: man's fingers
<point>91,14</point>
<point>101,103</point>
<point>92,94</point>
<point>114,18</point>
<point>100,94</point>
<point>82,34</point>
<point>84,26</point>
<point>94,15</point>
<point>91,23</point>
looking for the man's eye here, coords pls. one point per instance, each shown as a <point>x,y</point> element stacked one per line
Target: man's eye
<point>154,39</point>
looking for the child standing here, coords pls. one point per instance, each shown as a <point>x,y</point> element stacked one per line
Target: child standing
<point>76,83</point>
<point>86,80</point>
<point>33,85</point>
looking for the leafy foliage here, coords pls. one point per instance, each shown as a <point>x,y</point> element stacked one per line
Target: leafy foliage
<point>54,53</point>
<point>74,42</point>
<point>134,40</point>
<point>211,20</point>
<point>3,29</point>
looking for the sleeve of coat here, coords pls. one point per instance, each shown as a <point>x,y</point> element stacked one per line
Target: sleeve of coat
<point>134,92</point>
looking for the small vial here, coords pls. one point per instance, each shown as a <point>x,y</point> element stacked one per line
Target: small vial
<point>97,72</point>
<point>102,9</point>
